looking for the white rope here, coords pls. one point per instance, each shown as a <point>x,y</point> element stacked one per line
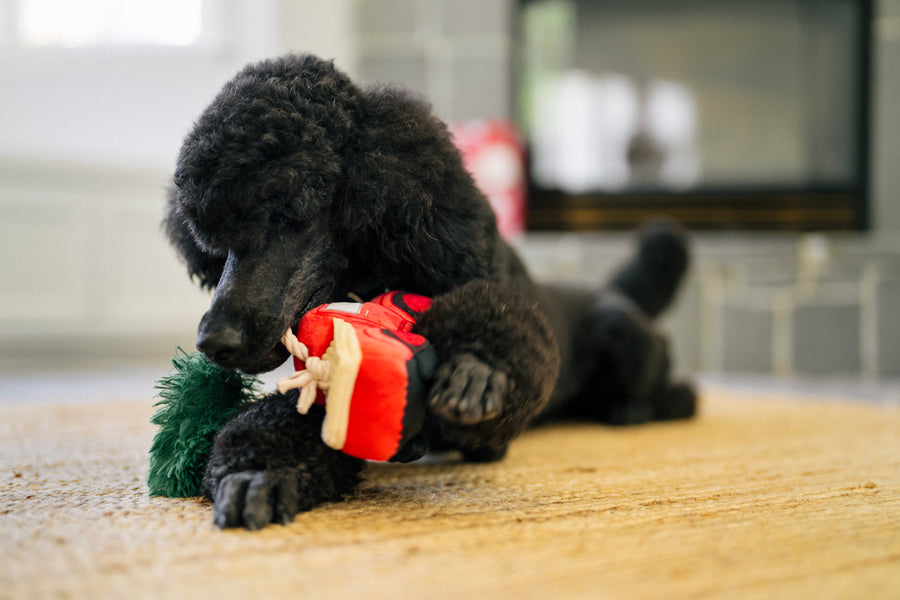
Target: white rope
<point>316,376</point>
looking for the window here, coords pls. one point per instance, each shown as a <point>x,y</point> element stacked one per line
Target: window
<point>109,82</point>
<point>87,23</point>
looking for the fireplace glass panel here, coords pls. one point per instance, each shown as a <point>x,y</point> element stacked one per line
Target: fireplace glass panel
<point>721,113</point>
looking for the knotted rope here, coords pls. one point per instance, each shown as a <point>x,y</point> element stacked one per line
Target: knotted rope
<point>316,376</point>
<point>335,373</point>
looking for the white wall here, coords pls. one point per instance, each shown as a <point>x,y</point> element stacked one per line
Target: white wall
<point>88,140</point>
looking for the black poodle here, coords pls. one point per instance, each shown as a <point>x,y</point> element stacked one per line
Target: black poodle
<point>297,187</point>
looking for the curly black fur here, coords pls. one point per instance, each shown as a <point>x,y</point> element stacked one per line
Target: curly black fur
<point>254,473</point>
<point>296,187</point>
<point>514,338</point>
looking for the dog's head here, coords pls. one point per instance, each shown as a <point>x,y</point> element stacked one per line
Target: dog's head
<point>251,207</point>
<point>295,187</point>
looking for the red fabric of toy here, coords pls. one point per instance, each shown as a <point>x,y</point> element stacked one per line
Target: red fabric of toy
<point>387,404</point>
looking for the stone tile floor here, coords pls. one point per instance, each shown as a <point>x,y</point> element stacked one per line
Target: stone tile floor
<point>71,383</point>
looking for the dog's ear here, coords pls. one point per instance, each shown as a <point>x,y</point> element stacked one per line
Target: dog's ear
<point>406,193</point>
<point>205,267</point>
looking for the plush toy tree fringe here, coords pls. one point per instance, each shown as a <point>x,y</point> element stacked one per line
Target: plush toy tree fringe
<point>197,399</point>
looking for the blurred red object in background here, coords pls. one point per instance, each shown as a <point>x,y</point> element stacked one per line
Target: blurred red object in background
<point>492,152</point>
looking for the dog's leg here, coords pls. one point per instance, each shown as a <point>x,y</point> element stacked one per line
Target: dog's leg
<point>629,378</point>
<point>499,361</point>
<point>270,463</point>
<point>616,365</point>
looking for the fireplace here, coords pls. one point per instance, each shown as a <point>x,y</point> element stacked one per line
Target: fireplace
<point>721,114</point>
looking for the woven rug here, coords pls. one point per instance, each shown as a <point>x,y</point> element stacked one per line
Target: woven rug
<point>762,496</point>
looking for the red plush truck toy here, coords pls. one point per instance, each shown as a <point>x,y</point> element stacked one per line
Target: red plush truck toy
<point>365,365</point>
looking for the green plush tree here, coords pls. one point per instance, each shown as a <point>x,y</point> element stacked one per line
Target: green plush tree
<point>197,399</point>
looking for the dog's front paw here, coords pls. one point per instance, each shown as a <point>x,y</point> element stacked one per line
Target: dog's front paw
<point>466,391</point>
<point>254,499</point>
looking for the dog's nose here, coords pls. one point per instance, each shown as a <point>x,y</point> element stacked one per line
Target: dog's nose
<point>220,345</point>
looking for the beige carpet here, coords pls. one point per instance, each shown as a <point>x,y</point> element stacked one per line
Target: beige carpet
<point>761,497</point>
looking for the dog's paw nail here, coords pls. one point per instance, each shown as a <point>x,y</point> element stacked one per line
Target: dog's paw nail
<point>253,499</point>
<point>467,391</point>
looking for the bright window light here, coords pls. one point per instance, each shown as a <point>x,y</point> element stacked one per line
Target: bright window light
<point>81,23</point>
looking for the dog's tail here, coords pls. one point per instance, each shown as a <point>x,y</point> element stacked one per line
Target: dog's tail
<point>652,277</point>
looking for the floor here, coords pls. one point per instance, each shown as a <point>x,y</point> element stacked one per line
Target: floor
<point>75,382</point>
<point>775,490</point>
<point>78,382</point>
